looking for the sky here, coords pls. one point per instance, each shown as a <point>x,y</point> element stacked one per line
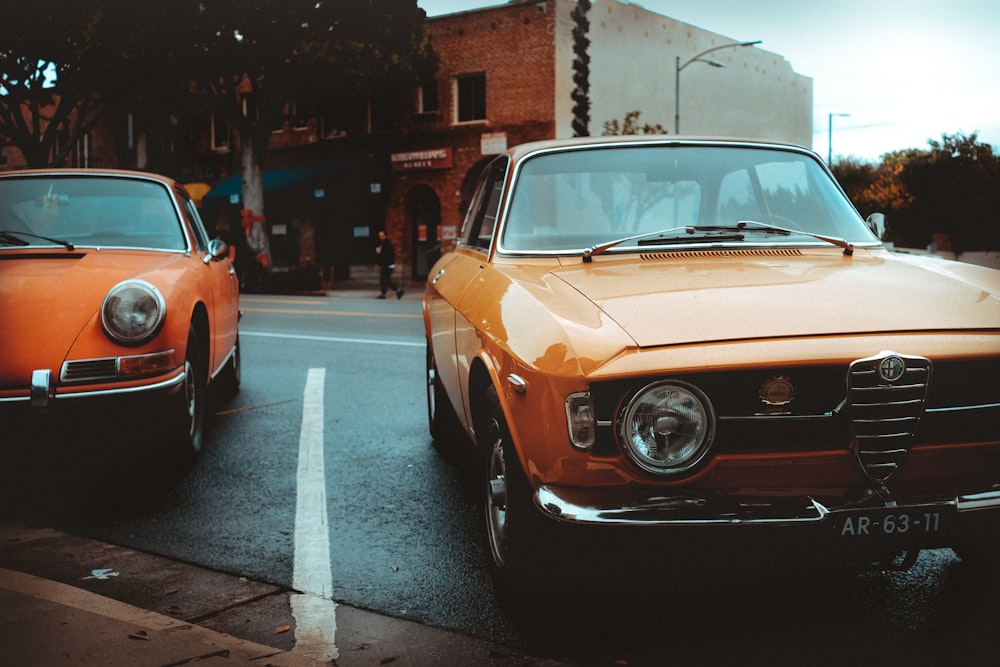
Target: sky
<point>906,71</point>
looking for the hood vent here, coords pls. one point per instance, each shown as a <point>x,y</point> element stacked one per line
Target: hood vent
<point>886,394</point>
<point>738,252</point>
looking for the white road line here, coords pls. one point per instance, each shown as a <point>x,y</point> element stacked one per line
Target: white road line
<point>334,339</point>
<point>313,609</point>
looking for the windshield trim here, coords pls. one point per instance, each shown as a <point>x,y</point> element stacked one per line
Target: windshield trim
<point>525,154</point>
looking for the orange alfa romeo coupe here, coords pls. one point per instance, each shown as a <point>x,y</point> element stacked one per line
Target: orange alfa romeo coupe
<point>115,307</point>
<point>703,341</point>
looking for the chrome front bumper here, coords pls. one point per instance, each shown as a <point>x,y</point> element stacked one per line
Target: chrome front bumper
<point>579,507</point>
<point>43,390</point>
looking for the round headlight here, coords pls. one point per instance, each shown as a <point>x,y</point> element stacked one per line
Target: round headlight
<point>667,427</point>
<point>133,312</point>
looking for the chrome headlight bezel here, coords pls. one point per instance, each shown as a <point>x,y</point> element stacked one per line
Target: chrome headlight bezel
<point>662,410</point>
<point>133,312</point>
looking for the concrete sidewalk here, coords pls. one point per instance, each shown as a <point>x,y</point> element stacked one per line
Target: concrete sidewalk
<point>166,613</point>
<point>44,622</point>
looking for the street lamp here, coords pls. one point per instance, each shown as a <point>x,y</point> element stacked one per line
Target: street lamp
<point>829,136</point>
<point>697,59</point>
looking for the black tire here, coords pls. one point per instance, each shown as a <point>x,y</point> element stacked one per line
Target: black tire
<point>232,374</point>
<point>444,426</point>
<point>514,530</point>
<point>186,414</point>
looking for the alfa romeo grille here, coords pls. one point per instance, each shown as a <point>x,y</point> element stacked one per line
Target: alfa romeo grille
<point>887,393</point>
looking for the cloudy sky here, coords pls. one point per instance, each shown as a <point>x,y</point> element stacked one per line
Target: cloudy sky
<point>905,70</point>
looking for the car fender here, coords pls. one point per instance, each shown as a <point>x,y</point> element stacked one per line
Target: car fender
<point>536,340</point>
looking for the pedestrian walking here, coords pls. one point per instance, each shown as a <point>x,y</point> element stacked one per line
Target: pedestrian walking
<point>385,262</point>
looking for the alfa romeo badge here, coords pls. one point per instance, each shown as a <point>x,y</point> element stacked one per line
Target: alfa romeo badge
<point>891,368</point>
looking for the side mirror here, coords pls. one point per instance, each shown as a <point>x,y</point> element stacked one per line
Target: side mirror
<point>876,223</point>
<point>217,249</point>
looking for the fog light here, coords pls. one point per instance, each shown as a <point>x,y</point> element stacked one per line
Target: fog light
<point>580,419</point>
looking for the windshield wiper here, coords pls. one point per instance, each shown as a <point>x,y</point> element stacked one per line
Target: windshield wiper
<point>763,226</point>
<point>588,254</point>
<point>12,236</point>
<point>695,234</point>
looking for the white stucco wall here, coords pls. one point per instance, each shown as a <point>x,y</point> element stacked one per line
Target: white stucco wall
<point>633,56</point>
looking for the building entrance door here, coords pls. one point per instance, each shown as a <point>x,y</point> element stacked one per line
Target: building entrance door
<point>424,215</point>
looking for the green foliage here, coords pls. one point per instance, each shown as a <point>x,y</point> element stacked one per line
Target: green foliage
<point>630,126</point>
<point>953,188</point>
<point>581,69</point>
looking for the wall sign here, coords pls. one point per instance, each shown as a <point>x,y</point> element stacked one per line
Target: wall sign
<point>432,158</point>
<point>493,143</point>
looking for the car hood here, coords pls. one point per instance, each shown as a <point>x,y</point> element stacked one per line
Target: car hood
<point>669,299</point>
<point>47,299</point>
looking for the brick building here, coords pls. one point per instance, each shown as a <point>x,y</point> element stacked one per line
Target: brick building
<point>506,77</point>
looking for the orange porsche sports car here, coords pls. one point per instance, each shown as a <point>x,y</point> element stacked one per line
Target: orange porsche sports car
<point>702,338</point>
<point>113,301</point>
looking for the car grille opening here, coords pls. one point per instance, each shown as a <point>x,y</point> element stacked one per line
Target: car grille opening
<point>887,394</point>
<point>90,370</point>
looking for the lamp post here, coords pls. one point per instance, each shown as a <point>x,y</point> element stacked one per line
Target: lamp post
<point>829,136</point>
<point>697,59</point>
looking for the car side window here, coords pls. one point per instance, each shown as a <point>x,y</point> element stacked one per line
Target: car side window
<point>200,235</point>
<point>480,222</point>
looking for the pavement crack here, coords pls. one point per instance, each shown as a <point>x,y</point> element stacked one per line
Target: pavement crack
<point>236,605</point>
<point>224,653</point>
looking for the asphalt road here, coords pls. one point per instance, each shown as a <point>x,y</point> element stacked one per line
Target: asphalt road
<point>397,528</point>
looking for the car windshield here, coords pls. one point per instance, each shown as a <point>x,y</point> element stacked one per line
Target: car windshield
<point>85,211</point>
<point>629,197</point>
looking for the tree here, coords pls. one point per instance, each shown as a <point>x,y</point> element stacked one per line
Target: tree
<point>953,189</point>
<point>47,102</point>
<point>630,125</point>
<point>581,69</point>
<point>956,190</point>
<point>249,61</point>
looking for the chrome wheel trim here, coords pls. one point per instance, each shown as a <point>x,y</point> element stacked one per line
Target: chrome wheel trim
<point>431,398</point>
<point>191,403</point>
<point>496,498</point>
<point>237,365</point>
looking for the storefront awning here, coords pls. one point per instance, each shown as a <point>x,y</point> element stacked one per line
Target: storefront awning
<point>275,179</point>
<point>197,191</point>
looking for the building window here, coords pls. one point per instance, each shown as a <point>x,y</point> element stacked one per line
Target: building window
<point>427,98</point>
<point>331,124</point>
<point>295,119</point>
<point>470,93</point>
<point>379,114</point>
<point>81,152</point>
<point>220,134</point>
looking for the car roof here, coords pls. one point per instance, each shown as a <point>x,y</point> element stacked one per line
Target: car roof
<point>525,149</point>
<point>78,171</point>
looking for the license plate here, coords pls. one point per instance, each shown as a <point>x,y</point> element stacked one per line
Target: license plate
<point>913,522</point>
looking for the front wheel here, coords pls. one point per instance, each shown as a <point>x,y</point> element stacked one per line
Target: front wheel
<point>232,372</point>
<point>186,413</point>
<point>445,430</point>
<point>513,530</point>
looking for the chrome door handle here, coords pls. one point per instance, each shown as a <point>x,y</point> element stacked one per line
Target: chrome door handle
<point>437,277</point>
